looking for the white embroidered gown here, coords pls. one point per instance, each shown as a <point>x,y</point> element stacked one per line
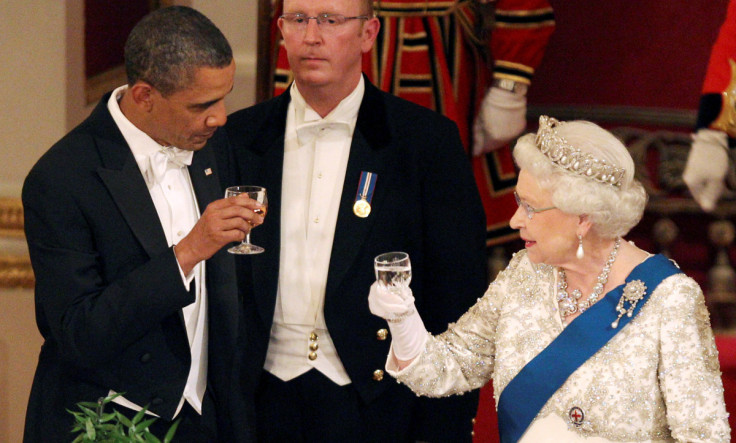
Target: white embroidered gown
<point>658,379</point>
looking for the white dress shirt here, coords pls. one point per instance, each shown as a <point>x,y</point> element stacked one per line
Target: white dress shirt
<point>316,152</point>
<point>173,196</point>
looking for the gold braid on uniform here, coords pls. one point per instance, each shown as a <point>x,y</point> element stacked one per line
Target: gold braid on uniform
<point>726,120</point>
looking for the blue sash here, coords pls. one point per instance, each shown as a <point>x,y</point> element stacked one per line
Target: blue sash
<point>528,392</point>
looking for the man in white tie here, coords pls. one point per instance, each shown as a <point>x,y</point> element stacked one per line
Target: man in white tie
<point>126,225</point>
<point>351,172</point>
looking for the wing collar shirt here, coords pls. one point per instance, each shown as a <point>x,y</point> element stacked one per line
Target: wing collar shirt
<point>316,152</point>
<point>172,193</point>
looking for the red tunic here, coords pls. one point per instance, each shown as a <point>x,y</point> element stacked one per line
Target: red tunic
<point>717,110</point>
<point>429,52</point>
<point>718,75</point>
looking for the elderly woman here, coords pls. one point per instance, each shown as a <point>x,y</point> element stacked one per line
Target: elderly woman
<point>586,336</point>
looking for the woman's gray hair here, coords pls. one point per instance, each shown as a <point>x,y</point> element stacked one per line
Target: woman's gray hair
<point>613,210</point>
<point>168,45</point>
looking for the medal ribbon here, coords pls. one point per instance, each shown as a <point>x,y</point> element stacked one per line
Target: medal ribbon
<point>366,186</point>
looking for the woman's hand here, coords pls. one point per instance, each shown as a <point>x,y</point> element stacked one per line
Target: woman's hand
<point>408,333</point>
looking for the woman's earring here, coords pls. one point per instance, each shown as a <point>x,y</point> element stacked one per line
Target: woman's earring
<point>580,253</point>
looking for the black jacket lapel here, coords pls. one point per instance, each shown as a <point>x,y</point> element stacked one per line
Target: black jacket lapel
<point>122,177</point>
<point>204,177</point>
<point>268,172</point>
<point>369,139</point>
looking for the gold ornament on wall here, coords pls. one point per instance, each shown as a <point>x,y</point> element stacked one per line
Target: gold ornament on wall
<point>15,270</point>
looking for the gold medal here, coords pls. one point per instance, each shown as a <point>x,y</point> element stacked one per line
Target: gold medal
<point>362,208</point>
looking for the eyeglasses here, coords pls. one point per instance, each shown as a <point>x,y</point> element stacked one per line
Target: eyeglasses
<point>530,211</point>
<point>326,22</point>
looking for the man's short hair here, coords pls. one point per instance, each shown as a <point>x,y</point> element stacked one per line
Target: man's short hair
<point>368,7</point>
<point>168,45</point>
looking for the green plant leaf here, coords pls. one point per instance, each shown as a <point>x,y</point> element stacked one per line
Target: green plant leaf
<point>87,411</point>
<point>80,420</point>
<point>123,419</point>
<point>172,430</point>
<point>107,417</point>
<point>112,397</point>
<point>92,424</point>
<point>144,425</point>
<point>139,416</point>
<point>91,430</point>
<point>88,404</point>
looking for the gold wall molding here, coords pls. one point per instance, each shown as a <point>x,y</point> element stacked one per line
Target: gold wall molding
<point>15,270</point>
<point>11,217</point>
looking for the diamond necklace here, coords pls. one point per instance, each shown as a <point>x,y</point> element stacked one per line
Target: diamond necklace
<point>569,303</point>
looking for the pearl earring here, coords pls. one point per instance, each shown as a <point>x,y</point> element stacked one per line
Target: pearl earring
<point>580,253</point>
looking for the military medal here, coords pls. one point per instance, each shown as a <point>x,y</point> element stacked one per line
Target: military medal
<point>362,206</point>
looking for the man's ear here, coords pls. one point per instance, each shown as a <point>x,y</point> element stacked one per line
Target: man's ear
<point>142,94</point>
<point>369,33</point>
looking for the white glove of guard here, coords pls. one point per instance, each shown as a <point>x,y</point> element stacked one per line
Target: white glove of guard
<point>707,165</point>
<point>396,305</point>
<point>500,119</point>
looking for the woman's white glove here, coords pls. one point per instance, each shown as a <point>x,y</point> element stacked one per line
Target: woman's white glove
<point>707,165</point>
<point>396,305</point>
<point>501,118</point>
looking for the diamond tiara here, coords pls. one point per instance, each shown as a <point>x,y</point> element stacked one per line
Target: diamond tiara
<point>562,154</point>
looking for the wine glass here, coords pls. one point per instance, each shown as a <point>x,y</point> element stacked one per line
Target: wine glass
<point>258,194</point>
<point>393,270</point>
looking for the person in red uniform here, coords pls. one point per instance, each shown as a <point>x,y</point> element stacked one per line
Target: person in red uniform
<point>708,163</point>
<point>470,60</point>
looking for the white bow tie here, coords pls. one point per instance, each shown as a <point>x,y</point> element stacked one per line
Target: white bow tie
<point>163,159</point>
<point>307,132</point>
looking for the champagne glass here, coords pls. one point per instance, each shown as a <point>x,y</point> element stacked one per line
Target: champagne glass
<point>393,270</point>
<point>258,194</point>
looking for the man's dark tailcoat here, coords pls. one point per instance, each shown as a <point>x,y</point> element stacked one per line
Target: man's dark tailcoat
<point>109,293</point>
<point>425,203</point>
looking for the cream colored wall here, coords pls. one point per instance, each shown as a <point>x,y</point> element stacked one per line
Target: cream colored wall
<point>20,343</point>
<point>41,98</point>
<point>42,68</point>
<point>32,90</point>
<point>237,20</point>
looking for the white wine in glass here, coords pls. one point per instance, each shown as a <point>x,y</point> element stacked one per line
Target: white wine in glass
<point>393,269</point>
<point>258,194</point>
